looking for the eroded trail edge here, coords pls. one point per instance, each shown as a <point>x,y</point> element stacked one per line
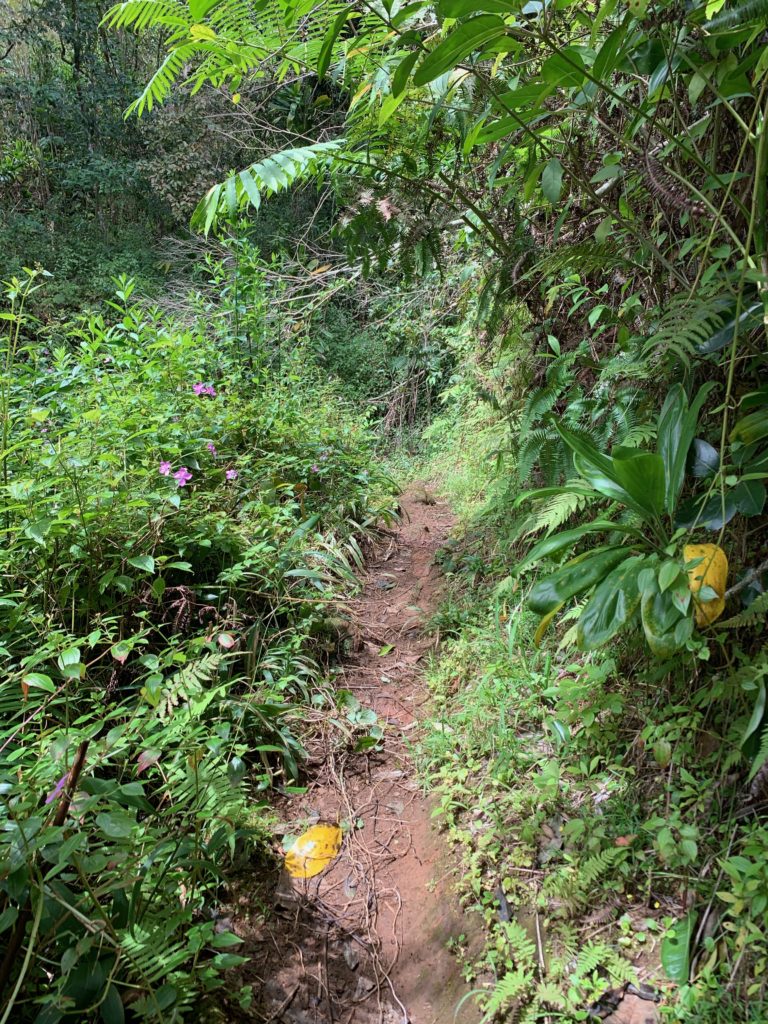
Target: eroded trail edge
<point>367,941</point>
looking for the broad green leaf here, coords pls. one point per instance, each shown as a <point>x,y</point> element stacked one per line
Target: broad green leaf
<point>606,59</point>
<point>116,824</point>
<point>144,562</point>
<point>751,428</point>
<point>577,576</point>
<point>675,949</point>
<point>749,496</point>
<point>40,681</point>
<point>389,106</point>
<point>635,480</point>
<point>564,70</point>
<point>466,38</point>
<point>403,71</point>
<point>660,617</point>
<point>748,320</point>
<point>111,1009</point>
<point>567,538</point>
<point>199,8</point>
<point>668,573</point>
<point>552,180</point>
<point>326,50</point>
<point>614,602</point>
<point>676,430</point>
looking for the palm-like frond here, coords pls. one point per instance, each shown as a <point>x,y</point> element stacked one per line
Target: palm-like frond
<point>266,177</point>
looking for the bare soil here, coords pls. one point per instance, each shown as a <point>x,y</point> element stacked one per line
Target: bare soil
<point>367,941</point>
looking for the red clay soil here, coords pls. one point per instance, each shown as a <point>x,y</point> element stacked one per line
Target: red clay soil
<point>366,942</point>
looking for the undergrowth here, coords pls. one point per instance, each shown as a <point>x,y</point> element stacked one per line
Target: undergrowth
<point>181,515</point>
<point>602,806</point>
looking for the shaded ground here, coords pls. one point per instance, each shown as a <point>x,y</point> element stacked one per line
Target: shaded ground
<point>367,941</point>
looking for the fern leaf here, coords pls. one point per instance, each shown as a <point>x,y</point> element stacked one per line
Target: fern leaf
<point>266,177</point>
<point>749,12</point>
<point>754,613</point>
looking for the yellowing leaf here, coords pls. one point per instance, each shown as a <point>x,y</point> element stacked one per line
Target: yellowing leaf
<point>313,851</point>
<point>201,32</point>
<point>712,572</point>
<point>544,625</point>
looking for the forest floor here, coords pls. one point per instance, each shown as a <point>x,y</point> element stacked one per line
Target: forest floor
<point>367,941</point>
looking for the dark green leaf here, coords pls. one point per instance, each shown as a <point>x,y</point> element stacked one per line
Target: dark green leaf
<point>614,602</point>
<point>749,319</point>
<point>577,576</point>
<point>676,430</point>
<point>565,539</point>
<point>144,562</point>
<point>749,496</point>
<point>111,1009</point>
<point>565,70</point>
<point>402,72</point>
<point>326,50</point>
<point>466,38</point>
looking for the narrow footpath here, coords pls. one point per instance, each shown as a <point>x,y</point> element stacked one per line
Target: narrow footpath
<point>366,942</point>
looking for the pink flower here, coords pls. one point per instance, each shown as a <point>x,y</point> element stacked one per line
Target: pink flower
<point>57,788</point>
<point>231,474</point>
<point>182,476</point>
<point>165,468</point>
<point>199,388</point>
<point>315,469</point>
<point>211,390</point>
<point>211,448</point>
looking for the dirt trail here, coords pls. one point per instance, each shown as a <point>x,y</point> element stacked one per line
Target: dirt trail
<point>366,942</point>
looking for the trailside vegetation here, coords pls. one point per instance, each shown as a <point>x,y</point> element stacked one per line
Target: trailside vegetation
<point>587,181</point>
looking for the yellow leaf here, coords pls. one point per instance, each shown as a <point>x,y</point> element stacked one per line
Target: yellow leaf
<point>712,572</point>
<point>235,98</point>
<point>201,32</point>
<point>544,625</point>
<point>314,851</point>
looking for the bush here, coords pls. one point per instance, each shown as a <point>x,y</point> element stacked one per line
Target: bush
<point>175,525</point>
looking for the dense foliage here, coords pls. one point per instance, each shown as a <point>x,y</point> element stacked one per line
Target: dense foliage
<point>587,181</point>
<point>180,513</point>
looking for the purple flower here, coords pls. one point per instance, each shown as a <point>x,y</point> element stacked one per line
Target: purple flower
<point>211,390</point>
<point>211,448</point>
<point>57,788</point>
<point>199,388</point>
<point>315,469</point>
<point>165,468</point>
<point>182,476</point>
<point>231,474</point>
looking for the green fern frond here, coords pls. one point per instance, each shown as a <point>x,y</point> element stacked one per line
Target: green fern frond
<point>748,12</point>
<point>686,323</point>
<point>756,612</point>
<point>582,257</point>
<point>555,511</point>
<point>506,991</point>
<point>595,867</point>
<point>548,994</point>
<point>144,14</point>
<point>266,177</point>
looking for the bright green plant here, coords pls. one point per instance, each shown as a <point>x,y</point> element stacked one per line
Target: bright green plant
<point>179,512</point>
